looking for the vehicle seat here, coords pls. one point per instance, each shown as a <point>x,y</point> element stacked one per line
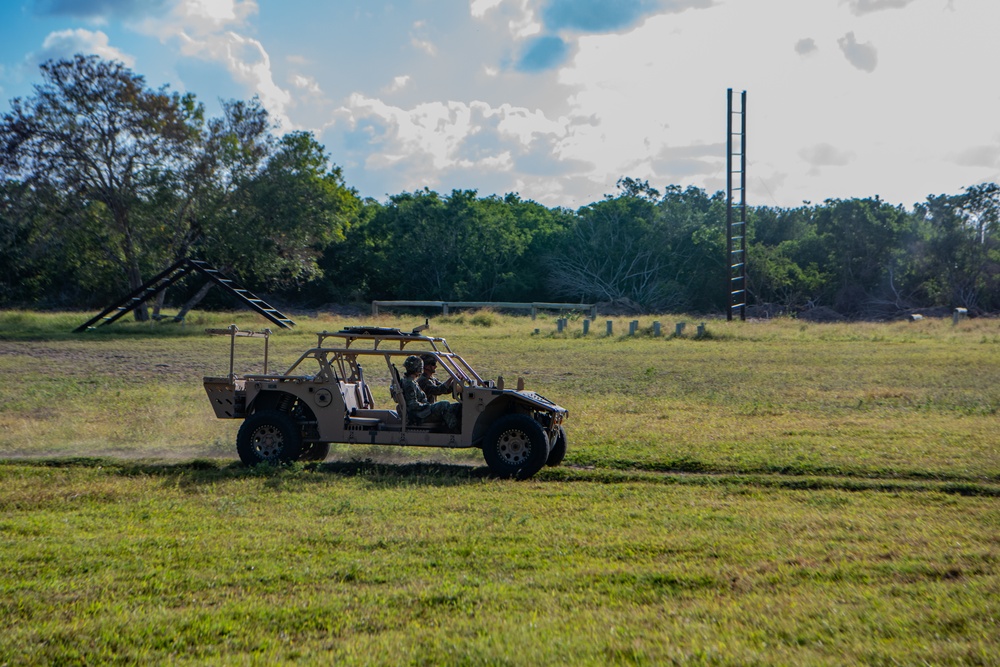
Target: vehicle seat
<point>396,392</point>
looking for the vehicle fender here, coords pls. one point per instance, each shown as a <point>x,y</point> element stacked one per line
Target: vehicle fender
<point>493,411</point>
<point>283,401</point>
<point>265,400</point>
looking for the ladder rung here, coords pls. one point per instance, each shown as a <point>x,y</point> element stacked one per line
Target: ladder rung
<point>738,291</point>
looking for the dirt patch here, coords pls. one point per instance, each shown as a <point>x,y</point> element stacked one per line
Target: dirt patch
<point>75,361</point>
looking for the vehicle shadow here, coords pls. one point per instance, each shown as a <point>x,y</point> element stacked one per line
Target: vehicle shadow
<point>200,472</point>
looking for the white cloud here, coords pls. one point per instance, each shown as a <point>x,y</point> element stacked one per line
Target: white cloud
<point>979,156</point>
<point>206,29</point>
<point>804,47</point>
<point>424,45</point>
<point>433,130</point>
<point>398,83</point>
<point>248,62</point>
<point>826,155</point>
<point>306,83</point>
<point>860,7</point>
<point>429,143</point>
<point>518,14</point>
<point>66,43</point>
<point>478,8</point>
<point>864,56</point>
<point>646,100</point>
<point>210,16</point>
<point>419,41</point>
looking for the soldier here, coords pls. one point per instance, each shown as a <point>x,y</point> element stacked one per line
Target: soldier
<point>429,384</point>
<point>418,408</point>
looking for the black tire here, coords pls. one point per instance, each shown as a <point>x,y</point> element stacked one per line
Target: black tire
<point>558,449</point>
<point>315,451</point>
<point>269,436</point>
<point>515,446</point>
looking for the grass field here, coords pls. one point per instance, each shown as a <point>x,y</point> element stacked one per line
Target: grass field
<point>771,493</point>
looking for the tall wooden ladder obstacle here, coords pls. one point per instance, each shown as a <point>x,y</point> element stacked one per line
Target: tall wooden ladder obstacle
<point>736,212</point>
<point>179,270</point>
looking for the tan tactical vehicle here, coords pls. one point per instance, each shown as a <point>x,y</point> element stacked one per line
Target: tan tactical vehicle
<point>324,398</point>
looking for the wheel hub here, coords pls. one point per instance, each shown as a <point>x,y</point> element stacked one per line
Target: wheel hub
<point>513,446</point>
<point>268,441</point>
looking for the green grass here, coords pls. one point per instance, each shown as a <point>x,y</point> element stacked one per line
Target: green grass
<point>773,493</point>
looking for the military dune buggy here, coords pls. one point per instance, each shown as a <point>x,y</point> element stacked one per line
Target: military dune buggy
<point>323,398</point>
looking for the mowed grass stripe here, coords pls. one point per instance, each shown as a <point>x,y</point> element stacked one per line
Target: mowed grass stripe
<point>775,493</point>
<point>103,564</point>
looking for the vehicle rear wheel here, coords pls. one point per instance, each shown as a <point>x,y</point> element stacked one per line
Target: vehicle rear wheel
<point>558,449</point>
<point>269,436</point>
<point>315,451</point>
<point>515,446</point>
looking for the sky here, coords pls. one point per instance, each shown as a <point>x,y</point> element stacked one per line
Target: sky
<point>556,100</point>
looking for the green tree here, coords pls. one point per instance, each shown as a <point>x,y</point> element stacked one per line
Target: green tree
<point>273,215</point>
<point>421,245</point>
<point>962,259</point>
<point>94,132</point>
<point>863,239</point>
<point>644,251</point>
<point>693,245</point>
<point>785,254</point>
<point>546,231</point>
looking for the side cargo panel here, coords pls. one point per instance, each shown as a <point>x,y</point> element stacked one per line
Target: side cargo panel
<point>228,397</point>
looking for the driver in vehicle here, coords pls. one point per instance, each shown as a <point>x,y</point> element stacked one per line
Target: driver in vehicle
<point>429,384</point>
<point>419,409</point>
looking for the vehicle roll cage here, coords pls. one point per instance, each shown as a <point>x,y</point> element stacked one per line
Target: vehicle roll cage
<point>342,362</point>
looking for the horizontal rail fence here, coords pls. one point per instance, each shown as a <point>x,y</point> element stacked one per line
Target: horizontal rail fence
<point>446,306</point>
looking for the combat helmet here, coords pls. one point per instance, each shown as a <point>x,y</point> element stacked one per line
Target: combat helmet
<point>413,364</point>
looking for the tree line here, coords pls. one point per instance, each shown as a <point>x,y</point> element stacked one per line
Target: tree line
<point>104,182</point>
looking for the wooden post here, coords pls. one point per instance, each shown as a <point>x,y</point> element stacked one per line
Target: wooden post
<point>633,326</point>
<point>611,327</point>
<point>656,329</point>
<point>679,329</point>
<point>559,325</point>
<point>586,326</point>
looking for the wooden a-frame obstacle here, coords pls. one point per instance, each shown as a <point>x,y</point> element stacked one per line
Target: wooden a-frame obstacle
<point>170,276</point>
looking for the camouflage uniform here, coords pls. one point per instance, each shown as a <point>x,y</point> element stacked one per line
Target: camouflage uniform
<point>418,409</point>
<point>432,386</point>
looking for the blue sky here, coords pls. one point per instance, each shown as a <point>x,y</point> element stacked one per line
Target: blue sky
<point>558,99</point>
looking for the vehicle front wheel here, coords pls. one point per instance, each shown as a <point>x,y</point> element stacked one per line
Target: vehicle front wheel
<point>558,449</point>
<point>269,436</point>
<point>515,446</point>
